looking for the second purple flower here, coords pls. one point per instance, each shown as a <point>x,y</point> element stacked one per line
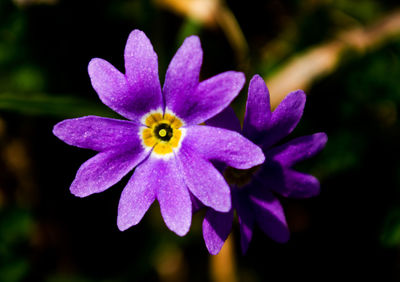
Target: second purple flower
<point>254,190</point>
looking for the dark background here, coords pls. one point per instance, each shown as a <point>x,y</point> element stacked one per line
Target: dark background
<point>350,231</point>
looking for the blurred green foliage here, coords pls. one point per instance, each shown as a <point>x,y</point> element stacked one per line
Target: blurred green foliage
<point>52,105</point>
<point>390,236</point>
<point>16,226</point>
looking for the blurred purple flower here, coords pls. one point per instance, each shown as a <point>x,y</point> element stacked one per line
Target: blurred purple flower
<point>253,189</point>
<point>161,140</point>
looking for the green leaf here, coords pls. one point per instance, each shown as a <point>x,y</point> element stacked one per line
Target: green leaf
<point>56,105</point>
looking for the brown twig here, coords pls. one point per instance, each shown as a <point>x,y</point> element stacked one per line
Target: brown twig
<point>212,13</point>
<point>223,266</point>
<point>302,70</point>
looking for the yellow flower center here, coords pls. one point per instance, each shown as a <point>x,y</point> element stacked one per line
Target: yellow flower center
<point>163,133</point>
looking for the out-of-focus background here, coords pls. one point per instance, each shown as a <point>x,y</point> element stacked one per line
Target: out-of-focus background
<point>344,53</point>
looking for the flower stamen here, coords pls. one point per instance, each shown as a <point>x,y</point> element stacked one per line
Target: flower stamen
<point>163,131</point>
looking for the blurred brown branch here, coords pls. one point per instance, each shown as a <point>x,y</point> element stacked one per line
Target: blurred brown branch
<point>223,266</point>
<point>212,13</point>
<point>302,70</point>
<point>202,11</point>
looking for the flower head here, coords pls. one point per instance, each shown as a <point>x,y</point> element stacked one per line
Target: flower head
<point>253,190</point>
<point>161,140</point>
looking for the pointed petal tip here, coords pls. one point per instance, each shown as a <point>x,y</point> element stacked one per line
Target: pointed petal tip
<point>192,39</point>
<point>323,137</point>
<point>191,43</point>
<point>77,193</point>
<point>214,249</point>
<point>300,96</point>
<point>216,228</point>
<point>60,130</point>
<point>106,79</point>
<point>123,224</point>
<point>178,223</point>
<point>213,243</point>
<point>320,140</point>
<point>181,231</point>
<point>258,159</point>
<point>122,227</point>
<point>258,109</point>
<point>94,63</point>
<point>225,207</point>
<point>257,84</point>
<point>257,79</point>
<point>57,128</point>
<point>137,39</point>
<point>240,77</point>
<point>317,188</point>
<point>136,34</point>
<point>213,252</point>
<point>179,228</point>
<point>294,100</point>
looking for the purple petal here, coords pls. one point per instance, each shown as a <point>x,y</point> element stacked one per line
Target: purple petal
<point>173,195</point>
<point>191,101</point>
<point>204,181</point>
<point>182,75</point>
<point>97,133</point>
<point>298,185</point>
<point>104,170</point>
<point>246,218</point>
<point>298,149</point>
<point>137,196</point>
<point>288,182</point>
<point>111,86</point>
<point>258,114</point>
<point>216,229</point>
<point>270,216</point>
<point>223,145</point>
<point>136,93</point>
<point>226,119</point>
<point>246,233</point>
<point>210,97</point>
<point>285,118</point>
<point>141,66</point>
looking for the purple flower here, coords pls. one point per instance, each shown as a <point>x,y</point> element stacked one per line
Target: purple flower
<point>253,189</point>
<point>161,140</point>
